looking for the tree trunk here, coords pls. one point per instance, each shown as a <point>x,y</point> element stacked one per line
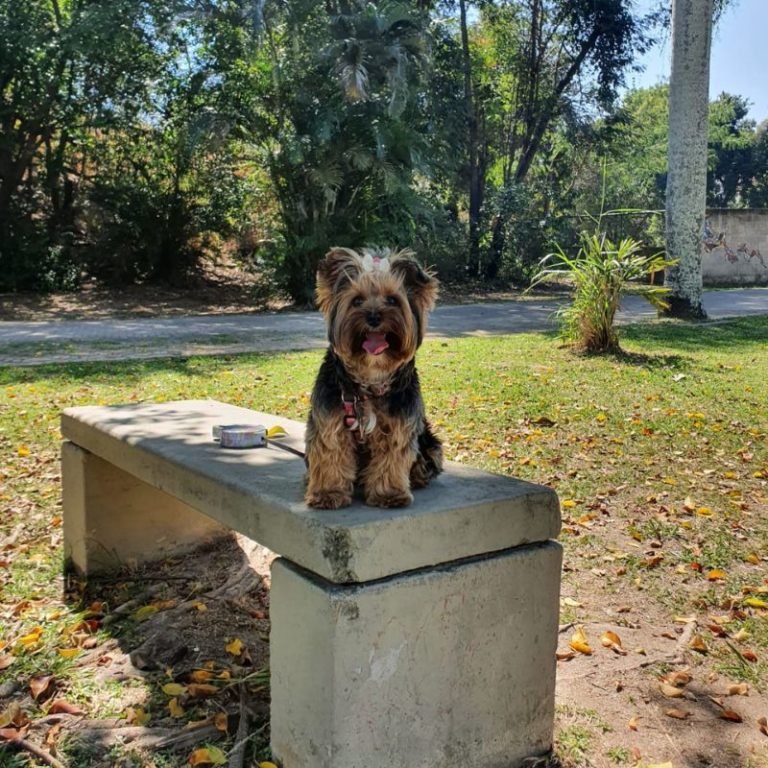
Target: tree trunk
<point>687,177</point>
<point>476,181</point>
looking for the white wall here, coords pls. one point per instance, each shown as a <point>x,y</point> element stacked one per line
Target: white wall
<point>736,247</point>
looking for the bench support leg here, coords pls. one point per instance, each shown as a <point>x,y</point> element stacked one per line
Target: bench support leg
<point>453,665</point>
<point>112,519</point>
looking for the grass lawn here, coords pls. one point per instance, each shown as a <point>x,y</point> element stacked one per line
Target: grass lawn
<point>660,458</point>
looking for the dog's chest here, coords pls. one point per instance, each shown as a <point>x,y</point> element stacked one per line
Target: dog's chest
<point>368,418</point>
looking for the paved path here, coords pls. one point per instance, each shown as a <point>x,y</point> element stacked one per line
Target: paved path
<point>28,343</point>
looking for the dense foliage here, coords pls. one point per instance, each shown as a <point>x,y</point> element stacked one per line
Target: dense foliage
<point>139,138</point>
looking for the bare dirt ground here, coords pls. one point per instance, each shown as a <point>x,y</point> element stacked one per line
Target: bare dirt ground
<point>665,697</point>
<point>220,290</point>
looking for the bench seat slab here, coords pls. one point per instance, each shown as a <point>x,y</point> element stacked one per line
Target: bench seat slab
<point>259,493</point>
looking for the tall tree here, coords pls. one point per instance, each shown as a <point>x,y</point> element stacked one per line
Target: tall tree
<point>554,52</point>
<point>687,176</point>
<point>348,138</point>
<point>476,157</point>
<point>68,70</point>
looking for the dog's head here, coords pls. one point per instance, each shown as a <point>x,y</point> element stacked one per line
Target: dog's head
<point>375,303</point>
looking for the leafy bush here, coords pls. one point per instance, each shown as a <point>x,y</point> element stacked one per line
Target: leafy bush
<point>602,271</point>
<point>31,260</point>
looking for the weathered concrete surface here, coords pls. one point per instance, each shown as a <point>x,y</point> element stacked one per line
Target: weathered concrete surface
<point>454,666</point>
<point>259,493</point>
<point>111,518</point>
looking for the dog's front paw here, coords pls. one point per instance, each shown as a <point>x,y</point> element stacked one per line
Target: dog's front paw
<point>328,499</point>
<point>389,499</point>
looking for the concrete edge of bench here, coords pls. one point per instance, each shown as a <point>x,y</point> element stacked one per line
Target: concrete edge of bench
<point>464,513</point>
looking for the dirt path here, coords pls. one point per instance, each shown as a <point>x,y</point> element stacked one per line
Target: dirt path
<point>33,342</point>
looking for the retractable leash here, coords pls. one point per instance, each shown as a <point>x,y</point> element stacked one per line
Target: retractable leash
<point>251,436</point>
<point>283,447</point>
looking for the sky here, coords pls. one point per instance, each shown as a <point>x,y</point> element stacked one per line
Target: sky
<point>739,59</point>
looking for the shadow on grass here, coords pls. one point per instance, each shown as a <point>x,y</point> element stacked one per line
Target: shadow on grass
<point>649,360</point>
<point>125,370</point>
<point>692,337</point>
<point>176,641</point>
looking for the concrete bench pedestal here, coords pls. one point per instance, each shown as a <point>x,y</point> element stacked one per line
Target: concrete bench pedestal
<point>416,638</point>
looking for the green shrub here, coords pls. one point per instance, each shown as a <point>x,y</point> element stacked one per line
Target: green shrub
<point>602,271</point>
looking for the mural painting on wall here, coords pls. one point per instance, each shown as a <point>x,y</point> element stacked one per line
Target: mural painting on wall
<point>743,251</point>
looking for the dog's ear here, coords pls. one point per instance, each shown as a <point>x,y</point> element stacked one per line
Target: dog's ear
<point>420,284</point>
<point>340,266</point>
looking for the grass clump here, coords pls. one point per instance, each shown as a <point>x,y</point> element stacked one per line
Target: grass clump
<point>601,271</point>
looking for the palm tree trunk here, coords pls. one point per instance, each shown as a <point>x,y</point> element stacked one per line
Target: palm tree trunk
<point>687,177</point>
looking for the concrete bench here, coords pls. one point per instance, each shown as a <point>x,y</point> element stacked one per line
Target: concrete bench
<point>420,638</point>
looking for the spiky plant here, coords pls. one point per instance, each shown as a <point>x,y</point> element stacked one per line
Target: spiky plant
<point>602,271</point>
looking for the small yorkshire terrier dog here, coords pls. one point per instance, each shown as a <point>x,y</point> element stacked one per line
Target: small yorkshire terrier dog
<point>367,422</point>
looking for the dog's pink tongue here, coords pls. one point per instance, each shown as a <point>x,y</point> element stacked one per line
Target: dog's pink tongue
<point>375,343</point>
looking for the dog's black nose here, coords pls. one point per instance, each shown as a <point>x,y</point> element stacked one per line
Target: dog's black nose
<point>373,319</point>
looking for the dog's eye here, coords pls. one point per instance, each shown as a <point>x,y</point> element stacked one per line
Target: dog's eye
<point>392,301</point>
<point>357,301</point>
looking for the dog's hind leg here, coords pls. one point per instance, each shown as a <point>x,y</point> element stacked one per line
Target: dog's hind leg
<point>429,459</point>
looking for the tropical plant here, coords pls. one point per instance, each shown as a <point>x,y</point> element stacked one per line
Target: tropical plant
<point>602,271</point>
<point>349,136</point>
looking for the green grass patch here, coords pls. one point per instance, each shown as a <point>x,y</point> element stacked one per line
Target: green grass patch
<point>658,454</point>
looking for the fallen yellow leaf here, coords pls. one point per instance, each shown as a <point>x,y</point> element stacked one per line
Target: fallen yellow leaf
<point>716,574</point>
<point>611,640</point>
<point>31,638</point>
<point>276,431</point>
<point>175,708</point>
<point>579,642</point>
<point>221,721</point>
<point>207,756</point>
<point>174,689</point>
<point>9,714</point>
<point>671,691</point>
<point>755,602</point>
<point>235,647</point>
<point>136,716</point>
<point>697,644</point>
